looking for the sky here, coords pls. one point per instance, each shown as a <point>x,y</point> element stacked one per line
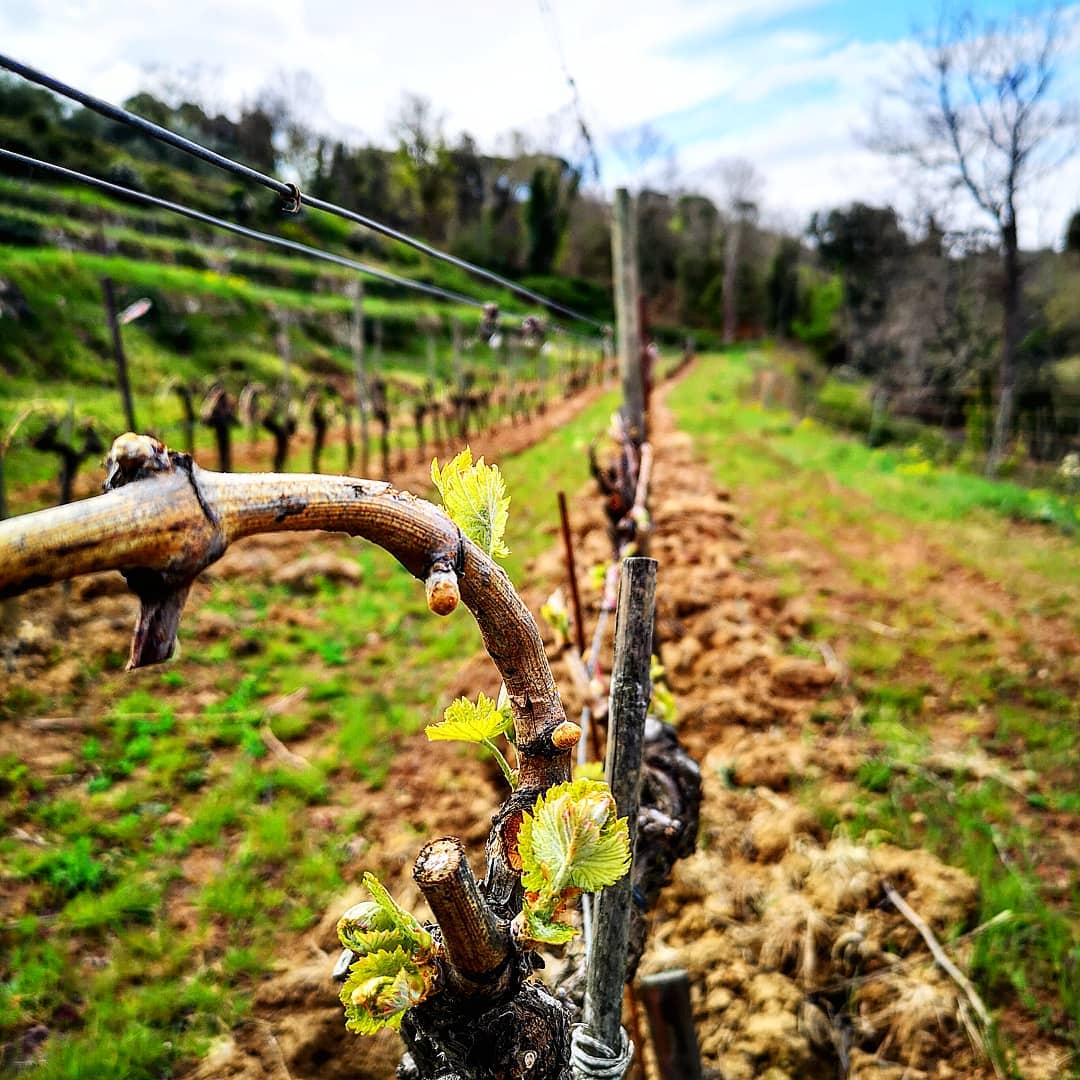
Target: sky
<point>788,84</point>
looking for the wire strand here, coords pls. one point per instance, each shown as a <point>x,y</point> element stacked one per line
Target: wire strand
<point>240,230</point>
<point>287,192</point>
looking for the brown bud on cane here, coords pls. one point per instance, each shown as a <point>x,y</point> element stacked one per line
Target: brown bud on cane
<point>441,587</point>
<point>566,735</point>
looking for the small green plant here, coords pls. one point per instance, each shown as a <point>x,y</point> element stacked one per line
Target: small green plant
<point>395,967</point>
<point>571,843</point>
<point>481,723</point>
<point>73,869</point>
<point>554,613</point>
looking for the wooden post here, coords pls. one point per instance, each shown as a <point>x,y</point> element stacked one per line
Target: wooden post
<point>624,263</point>
<point>628,704</point>
<point>508,371</point>
<point>461,401</point>
<point>118,353</point>
<point>666,996</point>
<point>285,352</point>
<point>357,335</point>
<point>647,373</point>
<point>575,598</point>
<point>382,410</point>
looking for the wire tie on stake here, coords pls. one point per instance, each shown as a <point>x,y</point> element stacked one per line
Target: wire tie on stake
<point>592,1059</point>
<point>291,203</point>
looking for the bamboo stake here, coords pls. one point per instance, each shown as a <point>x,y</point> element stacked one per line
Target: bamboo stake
<point>575,597</point>
<point>356,330</point>
<point>629,703</point>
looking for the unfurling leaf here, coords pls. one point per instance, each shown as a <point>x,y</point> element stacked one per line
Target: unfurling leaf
<point>475,498</point>
<point>465,722</point>
<point>663,704</point>
<point>571,842</point>
<point>573,839</point>
<point>381,924</point>
<point>382,986</point>
<point>554,613</point>
<point>395,968</point>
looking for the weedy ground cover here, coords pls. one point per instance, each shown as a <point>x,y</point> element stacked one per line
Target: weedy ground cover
<point>955,622</point>
<point>159,852</point>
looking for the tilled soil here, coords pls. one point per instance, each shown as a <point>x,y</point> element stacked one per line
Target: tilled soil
<point>800,967</point>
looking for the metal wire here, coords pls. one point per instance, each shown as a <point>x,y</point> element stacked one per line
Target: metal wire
<point>591,1059</point>
<point>240,230</point>
<point>289,193</point>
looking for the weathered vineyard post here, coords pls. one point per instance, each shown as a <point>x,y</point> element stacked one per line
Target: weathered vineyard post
<point>356,330</point>
<point>627,314</point>
<point>118,352</point>
<point>284,344</point>
<point>666,996</point>
<point>461,389</point>
<point>601,1035</point>
<point>380,404</point>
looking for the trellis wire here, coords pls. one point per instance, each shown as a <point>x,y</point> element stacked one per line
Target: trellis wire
<point>284,190</point>
<point>240,230</point>
<point>592,1059</point>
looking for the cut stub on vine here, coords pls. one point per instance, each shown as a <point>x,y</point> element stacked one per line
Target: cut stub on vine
<point>161,595</point>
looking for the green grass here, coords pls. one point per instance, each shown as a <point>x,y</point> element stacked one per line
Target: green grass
<point>914,670</point>
<point>174,774</point>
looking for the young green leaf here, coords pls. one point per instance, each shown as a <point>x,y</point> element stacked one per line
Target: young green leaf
<point>382,986</point>
<point>573,840</point>
<point>475,498</point>
<point>381,924</point>
<point>465,722</point>
<point>395,967</point>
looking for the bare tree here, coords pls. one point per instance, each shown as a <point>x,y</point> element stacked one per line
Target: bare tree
<point>742,185</point>
<point>979,107</point>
